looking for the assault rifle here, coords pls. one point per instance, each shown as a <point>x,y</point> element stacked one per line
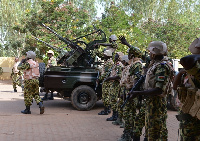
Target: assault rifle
<point>136,87</point>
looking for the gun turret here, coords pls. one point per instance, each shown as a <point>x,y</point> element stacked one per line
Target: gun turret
<point>78,56</point>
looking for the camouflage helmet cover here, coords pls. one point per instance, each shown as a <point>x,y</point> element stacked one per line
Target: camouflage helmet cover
<point>195,46</point>
<point>157,48</point>
<point>50,52</point>
<point>135,51</point>
<point>113,37</point>
<point>120,55</point>
<point>107,53</point>
<point>125,58</point>
<point>30,54</point>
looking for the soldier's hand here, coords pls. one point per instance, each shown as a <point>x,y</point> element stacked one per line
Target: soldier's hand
<point>123,40</point>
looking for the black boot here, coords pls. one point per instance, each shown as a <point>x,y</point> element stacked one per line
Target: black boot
<point>113,117</point>
<point>45,97</point>
<point>51,97</point>
<point>126,136</point>
<point>104,112</point>
<point>136,138</point>
<point>27,110</point>
<point>145,139</point>
<point>15,90</point>
<point>41,106</point>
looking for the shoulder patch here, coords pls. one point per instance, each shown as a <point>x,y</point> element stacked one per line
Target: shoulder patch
<point>161,78</point>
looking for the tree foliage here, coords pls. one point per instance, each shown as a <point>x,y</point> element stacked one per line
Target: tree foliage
<point>172,21</point>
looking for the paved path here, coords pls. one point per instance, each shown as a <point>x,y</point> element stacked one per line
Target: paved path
<point>60,122</point>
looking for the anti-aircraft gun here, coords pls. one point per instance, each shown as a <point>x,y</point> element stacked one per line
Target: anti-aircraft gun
<point>79,56</point>
<point>76,80</point>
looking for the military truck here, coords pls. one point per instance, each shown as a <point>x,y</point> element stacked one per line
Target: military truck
<point>76,80</point>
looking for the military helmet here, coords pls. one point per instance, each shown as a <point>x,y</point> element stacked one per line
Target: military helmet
<point>113,37</point>
<point>125,58</point>
<point>134,51</point>
<point>30,54</point>
<point>50,52</point>
<point>157,48</point>
<point>195,46</point>
<point>107,53</point>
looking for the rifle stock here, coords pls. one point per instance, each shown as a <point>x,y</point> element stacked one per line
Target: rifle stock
<point>135,87</point>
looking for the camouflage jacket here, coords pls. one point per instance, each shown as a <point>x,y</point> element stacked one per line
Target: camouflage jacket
<point>158,75</point>
<point>106,69</point>
<point>51,62</point>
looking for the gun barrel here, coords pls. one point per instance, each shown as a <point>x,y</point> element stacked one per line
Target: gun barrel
<point>46,43</point>
<point>72,45</point>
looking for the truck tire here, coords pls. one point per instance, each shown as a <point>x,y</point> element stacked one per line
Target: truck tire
<point>83,98</point>
<point>41,70</point>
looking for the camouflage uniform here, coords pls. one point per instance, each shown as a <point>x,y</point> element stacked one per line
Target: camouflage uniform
<point>122,92</point>
<point>16,76</point>
<point>31,87</point>
<point>114,89</point>
<point>156,106</point>
<point>106,70</point>
<point>189,125</point>
<point>129,112</point>
<point>51,62</point>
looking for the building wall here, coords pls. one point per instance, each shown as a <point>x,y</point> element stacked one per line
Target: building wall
<point>7,63</point>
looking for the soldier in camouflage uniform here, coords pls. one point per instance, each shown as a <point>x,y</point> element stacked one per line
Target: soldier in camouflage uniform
<point>130,108</point>
<point>114,89</point>
<point>51,62</point>
<point>106,70</point>
<point>31,82</point>
<point>16,75</point>
<point>187,83</point>
<point>112,46</point>
<point>156,82</point>
<point>119,120</point>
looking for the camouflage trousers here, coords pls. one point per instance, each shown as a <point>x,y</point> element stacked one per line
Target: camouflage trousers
<point>139,121</point>
<point>189,129</point>
<point>17,81</point>
<point>156,116</point>
<point>129,113</point>
<point>31,90</point>
<point>114,94</point>
<point>106,93</point>
<point>119,109</point>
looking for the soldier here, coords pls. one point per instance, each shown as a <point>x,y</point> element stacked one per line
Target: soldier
<point>135,66</point>
<point>16,75</point>
<point>31,82</point>
<point>106,70</point>
<point>51,59</point>
<point>112,46</point>
<point>157,78</point>
<point>187,84</point>
<point>51,62</point>
<point>114,89</point>
<point>119,120</point>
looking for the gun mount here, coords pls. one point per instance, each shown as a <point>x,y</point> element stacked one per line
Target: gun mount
<point>78,56</point>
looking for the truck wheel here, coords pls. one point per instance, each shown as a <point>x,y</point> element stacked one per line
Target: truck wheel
<point>83,98</point>
<point>41,70</point>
